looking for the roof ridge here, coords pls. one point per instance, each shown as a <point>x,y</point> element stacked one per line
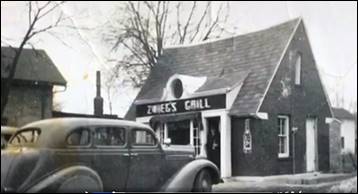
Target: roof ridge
<point>279,62</point>
<point>24,48</point>
<point>298,19</point>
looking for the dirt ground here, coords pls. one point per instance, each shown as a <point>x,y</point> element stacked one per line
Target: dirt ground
<point>345,186</point>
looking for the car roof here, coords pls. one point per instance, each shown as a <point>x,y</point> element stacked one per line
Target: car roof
<point>77,122</point>
<point>54,131</point>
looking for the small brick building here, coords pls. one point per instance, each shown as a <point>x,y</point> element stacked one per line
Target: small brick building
<point>348,129</point>
<point>31,94</point>
<point>253,104</point>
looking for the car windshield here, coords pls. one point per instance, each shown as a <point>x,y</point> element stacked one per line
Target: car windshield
<point>26,136</point>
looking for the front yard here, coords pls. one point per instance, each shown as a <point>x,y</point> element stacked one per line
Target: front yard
<point>346,186</point>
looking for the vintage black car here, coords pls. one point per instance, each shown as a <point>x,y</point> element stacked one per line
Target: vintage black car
<point>81,154</point>
<point>6,133</point>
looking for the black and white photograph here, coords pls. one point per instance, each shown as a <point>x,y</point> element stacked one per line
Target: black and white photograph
<point>179,96</point>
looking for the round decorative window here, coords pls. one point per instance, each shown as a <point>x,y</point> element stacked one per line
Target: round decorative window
<point>177,88</point>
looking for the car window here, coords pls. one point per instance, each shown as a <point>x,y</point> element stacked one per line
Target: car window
<point>26,136</point>
<point>79,137</point>
<point>143,137</point>
<point>109,136</point>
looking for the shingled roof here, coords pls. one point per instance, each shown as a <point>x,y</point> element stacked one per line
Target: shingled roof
<point>341,113</point>
<point>257,52</point>
<point>33,65</point>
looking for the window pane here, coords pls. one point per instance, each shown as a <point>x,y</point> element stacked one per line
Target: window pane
<point>283,127</point>
<point>179,132</point>
<point>143,138</point>
<point>110,136</point>
<point>284,143</point>
<point>79,137</point>
<point>280,145</point>
<point>298,70</point>
<point>279,126</point>
<point>26,136</point>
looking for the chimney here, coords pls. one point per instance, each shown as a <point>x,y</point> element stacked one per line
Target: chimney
<point>98,100</point>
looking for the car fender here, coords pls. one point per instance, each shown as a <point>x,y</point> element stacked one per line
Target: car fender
<point>74,175</point>
<point>184,179</point>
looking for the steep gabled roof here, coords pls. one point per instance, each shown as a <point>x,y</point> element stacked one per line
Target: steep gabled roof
<point>341,113</point>
<point>33,65</point>
<point>257,52</point>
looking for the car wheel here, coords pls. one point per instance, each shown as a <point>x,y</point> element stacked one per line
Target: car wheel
<point>203,182</point>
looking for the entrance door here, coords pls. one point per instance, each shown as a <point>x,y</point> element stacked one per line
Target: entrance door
<point>213,140</point>
<point>311,144</point>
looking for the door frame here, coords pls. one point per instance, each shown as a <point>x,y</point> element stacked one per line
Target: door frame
<point>225,139</point>
<point>315,143</point>
<point>219,130</point>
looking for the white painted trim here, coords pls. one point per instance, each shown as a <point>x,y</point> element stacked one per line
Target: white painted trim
<point>287,128</point>
<point>330,120</point>
<point>279,62</point>
<point>145,101</point>
<point>298,70</point>
<point>231,96</point>
<point>145,119</point>
<point>225,138</point>
<point>315,144</point>
<point>225,147</point>
<point>190,85</point>
<point>165,131</point>
<point>194,95</point>
<point>203,137</point>
<point>191,133</point>
<point>213,113</point>
<point>211,92</point>
<point>262,115</point>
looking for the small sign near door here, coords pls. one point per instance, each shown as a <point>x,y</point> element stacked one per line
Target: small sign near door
<point>247,138</point>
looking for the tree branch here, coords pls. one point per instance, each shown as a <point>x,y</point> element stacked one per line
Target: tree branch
<point>187,23</point>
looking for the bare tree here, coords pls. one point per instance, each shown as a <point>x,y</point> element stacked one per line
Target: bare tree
<point>140,30</point>
<point>36,13</point>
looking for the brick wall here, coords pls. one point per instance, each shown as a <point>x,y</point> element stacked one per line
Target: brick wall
<point>297,102</point>
<point>28,103</point>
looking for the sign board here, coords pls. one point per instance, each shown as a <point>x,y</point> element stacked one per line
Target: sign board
<point>182,105</point>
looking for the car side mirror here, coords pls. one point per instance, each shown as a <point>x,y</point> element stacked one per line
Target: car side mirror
<point>167,142</point>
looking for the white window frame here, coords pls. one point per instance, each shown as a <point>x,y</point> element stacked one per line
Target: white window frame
<point>298,69</point>
<point>287,130</point>
<point>191,133</point>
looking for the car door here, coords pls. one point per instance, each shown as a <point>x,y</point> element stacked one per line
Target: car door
<point>111,156</point>
<point>146,160</point>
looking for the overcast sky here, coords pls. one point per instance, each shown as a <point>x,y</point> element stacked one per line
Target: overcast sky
<point>331,27</point>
